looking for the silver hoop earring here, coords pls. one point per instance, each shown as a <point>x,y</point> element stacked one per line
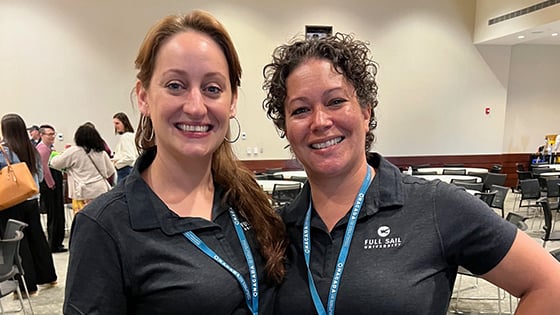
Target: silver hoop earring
<point>143,124</point>
<point>238,131</point>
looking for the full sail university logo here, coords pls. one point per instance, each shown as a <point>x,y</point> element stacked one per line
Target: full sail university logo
<point>384,240</point>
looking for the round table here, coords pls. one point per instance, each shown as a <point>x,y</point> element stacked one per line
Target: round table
<point>268,184</point>
<point>439,170</point>
<point>554,166</point>
<point>550,174</point>
<point>290,174</point>
<point>448,178</point>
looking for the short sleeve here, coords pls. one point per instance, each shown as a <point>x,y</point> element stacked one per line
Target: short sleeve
<point>95,280</point>
<point>472,234</point>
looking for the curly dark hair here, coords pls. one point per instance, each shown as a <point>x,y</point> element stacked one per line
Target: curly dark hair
<point>349,56</point>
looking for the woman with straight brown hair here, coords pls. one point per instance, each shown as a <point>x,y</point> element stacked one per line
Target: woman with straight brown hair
<point>36,256</point>
<point>190,230</point>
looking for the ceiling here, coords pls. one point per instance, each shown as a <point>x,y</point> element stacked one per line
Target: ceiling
<point>542,35</point>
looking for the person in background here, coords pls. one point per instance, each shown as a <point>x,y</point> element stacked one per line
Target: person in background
<point>52,192</point>
<point>34,135</point>
<point>366,237</point>
<point>190,223</point>
<point>36,256</point>
<point>107,149</point>
<point>87,165</point>
<point>125,152</point>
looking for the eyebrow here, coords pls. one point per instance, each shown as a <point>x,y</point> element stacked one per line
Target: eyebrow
<point>304,97</point>
<point>185,73</point>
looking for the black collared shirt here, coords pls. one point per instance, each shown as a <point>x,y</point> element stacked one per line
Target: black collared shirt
<point>410,237</point>
<point>128,256</point>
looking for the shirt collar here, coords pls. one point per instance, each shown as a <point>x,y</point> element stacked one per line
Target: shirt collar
<point>147,210</point>
<point>386,192</point>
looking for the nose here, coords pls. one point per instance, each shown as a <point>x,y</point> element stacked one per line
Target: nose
<point>194,104</point>
<point>321,119</point>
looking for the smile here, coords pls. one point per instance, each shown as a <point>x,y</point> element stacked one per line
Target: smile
<point>194,128</point>
<point>326,144</point>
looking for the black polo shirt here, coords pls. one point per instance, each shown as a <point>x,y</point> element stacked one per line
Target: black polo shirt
<point>410,237</point>
<point>128,256</point>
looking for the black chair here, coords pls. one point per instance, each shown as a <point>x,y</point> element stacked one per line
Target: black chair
<point>530,190</point>
<point>496,168</point>
<point>447,171</point>
<point>283,194</point>
<point>261,176</point>
<point>556,254</point>
<point>468,185</point>
<point>521,175</point>
<point>487,197</point>
<point>270,173</point>
<point>417,166</point>
<point>553,192</point>
<point>549,233</point>
<point>481,175</point>
<point>300,179</point>
<point>517,220</point>
<point>519,166</point>
<point>9,232</point>
<point>537,171</point>
<point>274,176</point>
<point>468,180</point>
<point>8,270</point>
<point>494,179</point>
<point>499,197</point>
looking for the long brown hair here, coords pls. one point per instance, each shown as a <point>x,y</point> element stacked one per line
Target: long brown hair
<point>16,138</point>
<point>241,189</point>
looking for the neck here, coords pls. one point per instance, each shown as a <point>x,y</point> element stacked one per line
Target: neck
<point>186,187</point>
<point>334,197</point>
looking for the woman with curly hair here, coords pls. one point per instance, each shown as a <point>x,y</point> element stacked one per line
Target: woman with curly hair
<point>363,237</point>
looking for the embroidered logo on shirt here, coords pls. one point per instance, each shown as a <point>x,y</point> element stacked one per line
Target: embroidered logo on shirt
<point>383,241</point>
<point>383,231</point>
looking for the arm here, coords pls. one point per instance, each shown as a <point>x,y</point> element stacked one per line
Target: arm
<point>62,161</point>
<point>530,273</point>
<point>108,166</point>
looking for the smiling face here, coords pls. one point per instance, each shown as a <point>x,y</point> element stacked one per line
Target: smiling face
<point>189,98</point>
<point>325,124</point>
<point>48,136</point>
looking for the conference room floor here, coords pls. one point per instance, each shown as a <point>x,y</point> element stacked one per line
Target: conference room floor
<point>49,300</point>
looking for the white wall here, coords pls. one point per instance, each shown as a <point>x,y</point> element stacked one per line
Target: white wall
<point>533,97</point>
<point>66,62</point>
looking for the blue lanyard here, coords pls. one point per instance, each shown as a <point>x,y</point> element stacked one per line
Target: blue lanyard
<point>251,296</point>
<point>343,251</point>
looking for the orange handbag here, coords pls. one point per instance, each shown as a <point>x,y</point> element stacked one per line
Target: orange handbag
<point>16,183</point>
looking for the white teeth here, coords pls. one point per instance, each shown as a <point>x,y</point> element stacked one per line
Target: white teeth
<point>196,128</point>
<point>326,144</point>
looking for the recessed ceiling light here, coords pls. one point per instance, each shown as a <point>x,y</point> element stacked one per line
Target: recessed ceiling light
<point>554,34</point>
<point>521,36</point>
